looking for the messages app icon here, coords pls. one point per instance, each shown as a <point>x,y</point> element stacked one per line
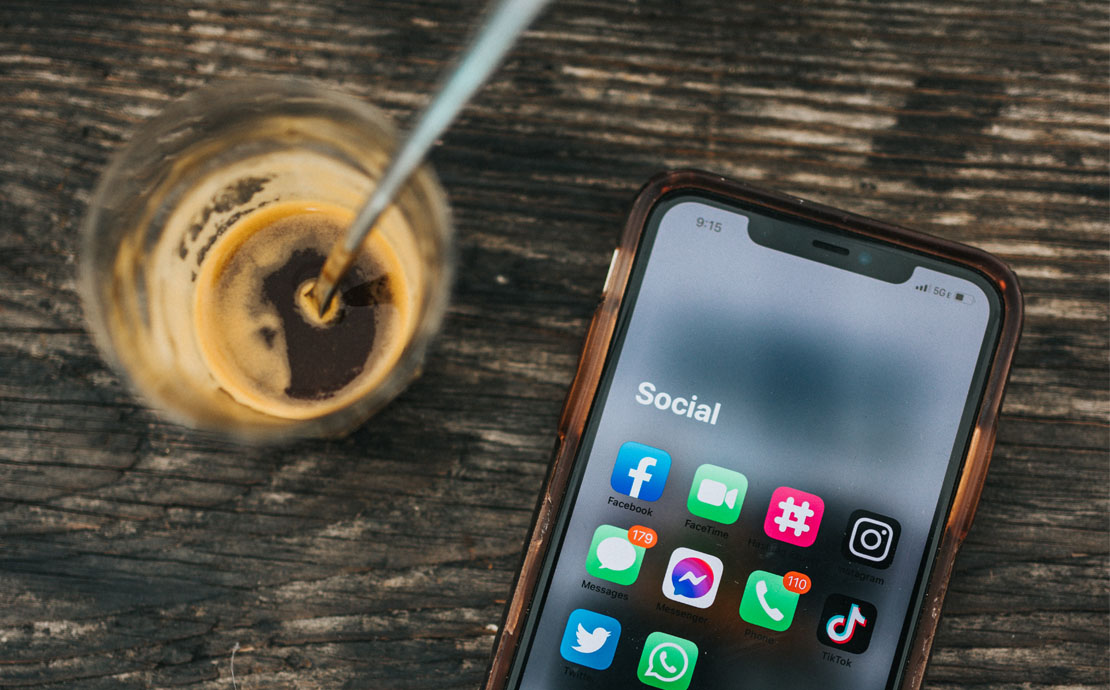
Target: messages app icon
<point>717,494</point>
<point>612,557</point>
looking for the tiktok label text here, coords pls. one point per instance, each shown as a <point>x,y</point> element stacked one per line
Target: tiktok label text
<point>836,659</point>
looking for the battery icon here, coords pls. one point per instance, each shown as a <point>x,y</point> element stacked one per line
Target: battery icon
<point>961,297</point>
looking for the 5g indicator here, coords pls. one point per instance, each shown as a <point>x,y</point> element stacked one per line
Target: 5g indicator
<point>938,291</point>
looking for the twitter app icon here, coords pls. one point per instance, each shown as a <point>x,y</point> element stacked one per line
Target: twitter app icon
<point>590,639</point>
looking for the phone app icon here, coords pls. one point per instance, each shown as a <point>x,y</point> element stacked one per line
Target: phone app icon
<point>846,623</point>
<point>590,639</point>
<point>667,662</point>
<point>692,577</point>
<point>767,602</point>
<point>613,557</point>
<point>871,539</point>
<point>717,494</point>
<point>640,471</point>
<point>793,516</point>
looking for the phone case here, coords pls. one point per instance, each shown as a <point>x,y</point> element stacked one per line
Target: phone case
<point>595,350</point>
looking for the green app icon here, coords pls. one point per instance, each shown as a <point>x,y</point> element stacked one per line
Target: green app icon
<point>767,602</point>
<point>717,494</point>
<point>612,557</point>
<point>667,662</point>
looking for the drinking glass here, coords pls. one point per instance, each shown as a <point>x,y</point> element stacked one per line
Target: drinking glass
<point>186,177</point>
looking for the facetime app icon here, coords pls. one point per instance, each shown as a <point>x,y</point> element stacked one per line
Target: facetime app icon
<point>717,494</point>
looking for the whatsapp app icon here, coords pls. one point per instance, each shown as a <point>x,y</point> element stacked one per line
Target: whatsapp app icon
<point>667,662</point>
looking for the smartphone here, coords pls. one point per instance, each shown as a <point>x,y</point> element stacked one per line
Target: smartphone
<point>774,444</point>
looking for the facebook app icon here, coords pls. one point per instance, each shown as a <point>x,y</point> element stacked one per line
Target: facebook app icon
<point>641,471</point>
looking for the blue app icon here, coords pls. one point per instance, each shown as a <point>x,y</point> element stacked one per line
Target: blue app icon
<point>641,471</point>
<point>590,639</point>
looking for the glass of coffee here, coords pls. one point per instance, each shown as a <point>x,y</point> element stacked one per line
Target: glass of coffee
<point>204,236</point>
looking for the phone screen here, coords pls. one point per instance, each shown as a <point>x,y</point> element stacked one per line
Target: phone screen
<point>770,453</point>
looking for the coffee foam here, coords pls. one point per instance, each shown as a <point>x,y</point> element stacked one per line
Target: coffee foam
<point>260,350</point>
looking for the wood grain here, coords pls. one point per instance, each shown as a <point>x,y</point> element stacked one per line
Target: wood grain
<point>137,554</point>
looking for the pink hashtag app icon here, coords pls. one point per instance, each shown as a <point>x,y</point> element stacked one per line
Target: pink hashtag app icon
<point>793,516</point>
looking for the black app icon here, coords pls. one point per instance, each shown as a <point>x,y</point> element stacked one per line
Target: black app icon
<point>846,623</point>
<point>871,539</point>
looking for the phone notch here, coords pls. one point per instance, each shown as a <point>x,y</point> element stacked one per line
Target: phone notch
<point>831,248</point>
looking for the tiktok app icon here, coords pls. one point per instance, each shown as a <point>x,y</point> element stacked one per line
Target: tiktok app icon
<point>846,623</point>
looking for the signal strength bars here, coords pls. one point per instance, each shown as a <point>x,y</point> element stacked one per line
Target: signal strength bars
<point>921,288</point>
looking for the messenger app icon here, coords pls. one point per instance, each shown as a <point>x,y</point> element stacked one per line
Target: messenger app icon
<point>613,557</point>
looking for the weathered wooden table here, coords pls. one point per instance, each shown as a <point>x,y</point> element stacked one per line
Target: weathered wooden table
<point>135,553</point>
